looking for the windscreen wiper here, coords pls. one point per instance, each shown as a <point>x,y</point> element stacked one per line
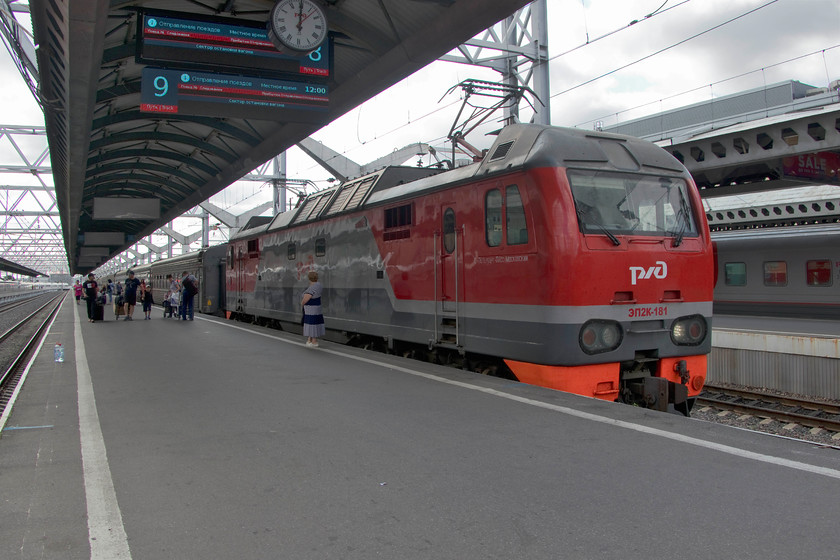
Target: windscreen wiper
<point>682,218</point>
<point>600,226</point>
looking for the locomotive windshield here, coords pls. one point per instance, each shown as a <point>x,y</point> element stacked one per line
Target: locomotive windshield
<point>612,204</point>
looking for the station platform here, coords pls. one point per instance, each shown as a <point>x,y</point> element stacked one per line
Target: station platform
<point>780,354</point>
<point>211,439</point>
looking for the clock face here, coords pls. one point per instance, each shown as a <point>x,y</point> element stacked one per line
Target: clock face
<point>297,25</point>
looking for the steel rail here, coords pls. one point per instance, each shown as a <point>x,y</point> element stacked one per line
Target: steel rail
<point>762,405</point>
<point>810,404</point>
<point>35,338</point>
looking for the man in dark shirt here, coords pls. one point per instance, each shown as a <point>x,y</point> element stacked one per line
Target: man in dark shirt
<point>91,292</point>
<point>190,288</point>
<point>131,285</point>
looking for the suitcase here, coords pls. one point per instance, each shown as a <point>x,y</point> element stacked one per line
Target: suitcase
<point>98,312</point>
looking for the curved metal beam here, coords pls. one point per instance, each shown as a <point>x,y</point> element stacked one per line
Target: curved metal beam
<point>159,137</point>
<point>213,124</point>
<point>134,180</point>
<point>153,154</point>
<point>169,170</point>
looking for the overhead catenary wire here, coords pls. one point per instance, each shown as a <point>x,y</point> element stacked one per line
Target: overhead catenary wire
<point>656,12</point>
<point>717,82</point>
<point>660,51</point>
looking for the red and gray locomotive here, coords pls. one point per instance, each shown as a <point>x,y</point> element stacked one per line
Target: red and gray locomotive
<point>576,260</point>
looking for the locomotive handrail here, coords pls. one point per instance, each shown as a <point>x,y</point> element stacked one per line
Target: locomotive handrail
<point>435,252</point>
<point>457,254</point>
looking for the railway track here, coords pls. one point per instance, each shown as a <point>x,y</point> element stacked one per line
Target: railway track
<point>785,409</point>
<point>19,342</point>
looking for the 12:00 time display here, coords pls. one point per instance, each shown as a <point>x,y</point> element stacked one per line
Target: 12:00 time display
<point>226,95</point>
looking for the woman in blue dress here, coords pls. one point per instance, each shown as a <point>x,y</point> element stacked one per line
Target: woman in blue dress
<point>313,317</point>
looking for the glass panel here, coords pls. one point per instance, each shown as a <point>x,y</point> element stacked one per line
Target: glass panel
<point>819,273</point>
<point>517,227</point>
<point>775,273</point>
<point>623,203</point>
<point>291,251</point>
<point>735,274</point>
<point>449,230</point>
<point>320,247</point>
<point>493,218</point>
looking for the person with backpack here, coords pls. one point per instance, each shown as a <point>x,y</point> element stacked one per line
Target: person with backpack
<point>189,286</point>
<point>131,286</point>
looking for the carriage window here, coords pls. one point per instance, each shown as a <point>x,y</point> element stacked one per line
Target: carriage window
<point>517,227</point>
<point>291,251</point>
<point>775,273</point>
<point>819,273</point>
<point>449,230</point>
<point>735,274</point>
<point>320,247</point>
<point>493,218</point>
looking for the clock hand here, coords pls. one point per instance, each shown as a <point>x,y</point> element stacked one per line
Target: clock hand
<point>300,16</point>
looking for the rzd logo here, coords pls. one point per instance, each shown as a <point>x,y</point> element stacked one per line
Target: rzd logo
<point>640,273</point>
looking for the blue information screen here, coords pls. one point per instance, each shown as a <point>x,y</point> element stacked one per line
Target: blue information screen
<point>222,43</point>
<point>184,92</point>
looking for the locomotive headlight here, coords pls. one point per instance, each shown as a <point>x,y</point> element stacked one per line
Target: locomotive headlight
<point>689,331</point>
<point>598,336</point>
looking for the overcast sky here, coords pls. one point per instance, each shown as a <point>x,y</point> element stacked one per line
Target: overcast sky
<point>766,46</point>
<point>755,46</point>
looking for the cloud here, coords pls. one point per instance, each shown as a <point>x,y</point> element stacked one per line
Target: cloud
<point>758,48</point>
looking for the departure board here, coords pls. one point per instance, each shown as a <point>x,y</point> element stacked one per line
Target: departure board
<point>217,43</point>
<point>183,92</point>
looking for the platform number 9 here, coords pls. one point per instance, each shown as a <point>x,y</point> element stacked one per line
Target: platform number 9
<point>161,86</point>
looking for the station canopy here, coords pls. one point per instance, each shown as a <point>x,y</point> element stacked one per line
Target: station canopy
<point>15,268</point>
<point>152,107</point>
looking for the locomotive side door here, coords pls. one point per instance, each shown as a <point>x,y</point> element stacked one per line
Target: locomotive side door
<point>239,267</point>
<point>448,252</point>
<point>450,281</point>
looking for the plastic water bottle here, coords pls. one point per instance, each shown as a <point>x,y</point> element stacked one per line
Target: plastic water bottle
<point>59,353</point>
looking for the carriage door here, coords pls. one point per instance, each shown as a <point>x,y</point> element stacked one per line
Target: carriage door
<point>450,281</point>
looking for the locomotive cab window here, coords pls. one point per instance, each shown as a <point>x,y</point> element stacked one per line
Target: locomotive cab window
<point>508,210</point>
<point>320,247</point>
<point>291,251</point>
<point>819,273</point>
<point>517,227</point>
<point>493,217</point>
<point>629,204</point>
